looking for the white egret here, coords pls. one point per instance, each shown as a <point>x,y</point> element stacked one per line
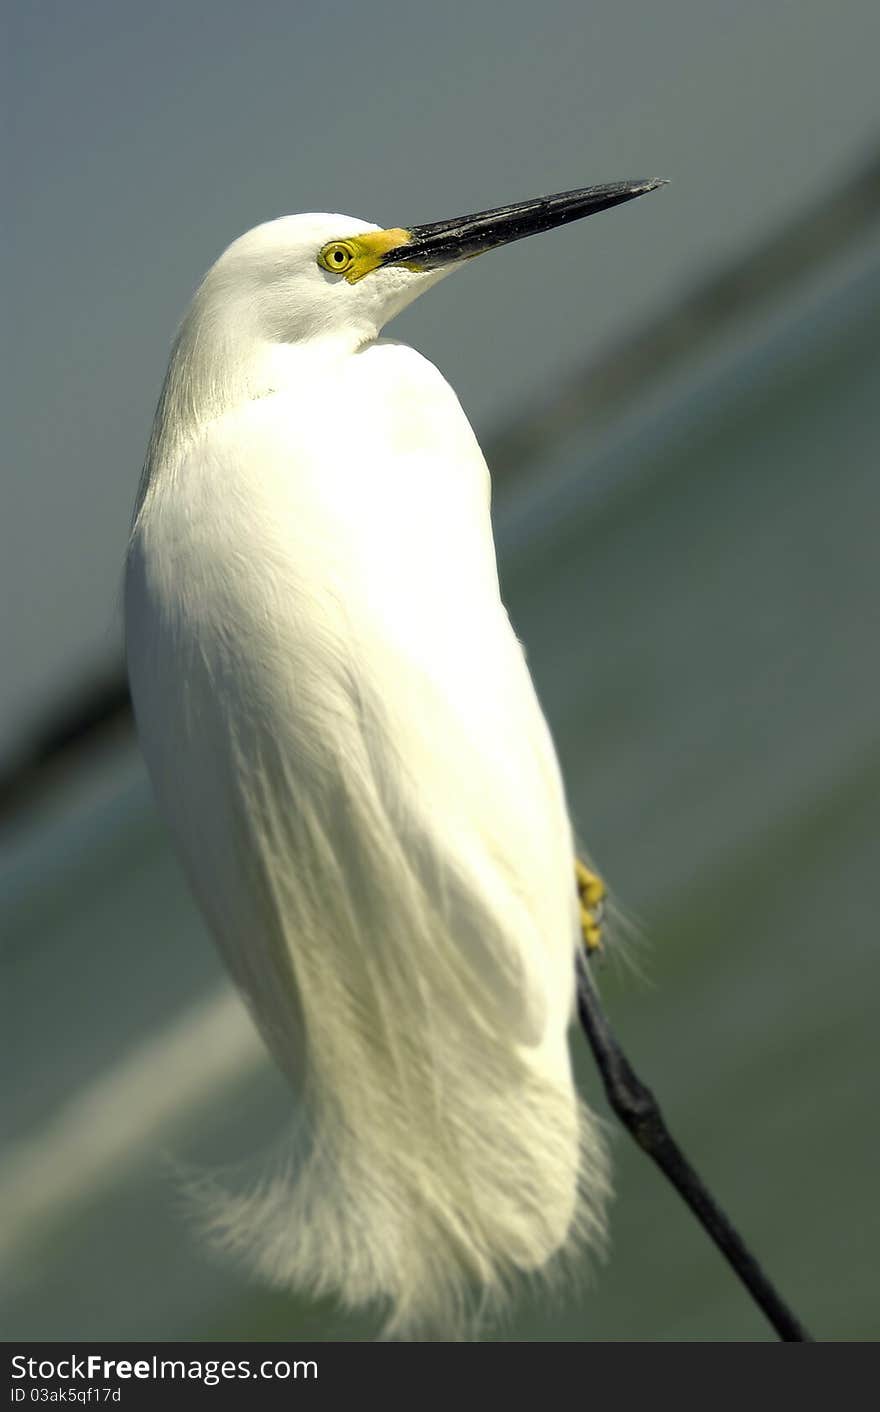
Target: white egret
<point>346,744</point>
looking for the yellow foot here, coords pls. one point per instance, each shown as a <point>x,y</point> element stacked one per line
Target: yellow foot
<point>591,891</point>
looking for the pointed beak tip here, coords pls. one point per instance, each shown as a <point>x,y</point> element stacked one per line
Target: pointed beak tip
<point>446,242</point>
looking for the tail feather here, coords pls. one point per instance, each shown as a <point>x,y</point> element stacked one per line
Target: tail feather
<point>440,1259</point>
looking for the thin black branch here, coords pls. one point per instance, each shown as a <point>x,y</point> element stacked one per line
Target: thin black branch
<point>638,1110</point>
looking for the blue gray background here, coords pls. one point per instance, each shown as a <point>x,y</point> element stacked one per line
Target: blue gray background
<point>695,579</point>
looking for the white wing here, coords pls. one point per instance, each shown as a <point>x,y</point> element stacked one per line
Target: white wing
<point>344,735</point>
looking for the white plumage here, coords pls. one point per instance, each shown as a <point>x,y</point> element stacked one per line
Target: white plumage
<point>346,744</point>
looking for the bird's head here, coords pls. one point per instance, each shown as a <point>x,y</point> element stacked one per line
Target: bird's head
<point>305,278</point>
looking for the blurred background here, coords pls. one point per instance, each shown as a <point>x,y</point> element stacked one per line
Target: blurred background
<point>679,401</point>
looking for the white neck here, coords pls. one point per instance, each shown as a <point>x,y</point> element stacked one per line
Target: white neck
<point>218,363</point>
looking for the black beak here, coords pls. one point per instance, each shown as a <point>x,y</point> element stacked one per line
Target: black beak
<point>444,242</point>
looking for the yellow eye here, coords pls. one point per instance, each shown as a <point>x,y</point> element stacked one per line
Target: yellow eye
<point>337,257</point>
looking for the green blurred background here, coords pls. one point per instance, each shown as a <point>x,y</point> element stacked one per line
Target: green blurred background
<point>680,408</point>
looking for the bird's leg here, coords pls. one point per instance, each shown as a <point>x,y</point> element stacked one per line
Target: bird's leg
<point>591,891</point>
